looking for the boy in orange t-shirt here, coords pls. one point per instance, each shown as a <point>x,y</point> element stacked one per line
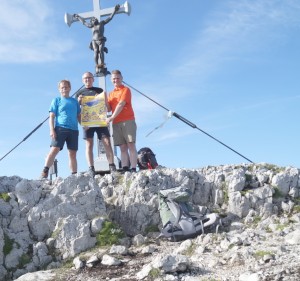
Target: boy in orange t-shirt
<point>123,121</point>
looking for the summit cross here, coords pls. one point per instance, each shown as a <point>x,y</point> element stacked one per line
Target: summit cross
<point>97,45</point>
<point>97,25</point>
<point>98,12</point>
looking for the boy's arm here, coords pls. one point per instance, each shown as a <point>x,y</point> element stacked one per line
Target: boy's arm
<point>51,125</point>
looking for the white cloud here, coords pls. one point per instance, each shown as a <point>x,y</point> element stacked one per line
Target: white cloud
<point>235,32</point>
<point>238,29</point>
<point>28,34</point>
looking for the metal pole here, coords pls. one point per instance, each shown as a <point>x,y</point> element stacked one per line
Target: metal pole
<point>189,123</point>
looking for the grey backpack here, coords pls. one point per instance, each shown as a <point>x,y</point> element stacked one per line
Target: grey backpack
<point>179,220</point>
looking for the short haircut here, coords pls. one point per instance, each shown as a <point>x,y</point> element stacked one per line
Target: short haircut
<point>64,81</point>
<point>89,73</point>
<point>116,71</point>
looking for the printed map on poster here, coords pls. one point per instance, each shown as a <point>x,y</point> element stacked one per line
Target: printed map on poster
<point>93,111</point>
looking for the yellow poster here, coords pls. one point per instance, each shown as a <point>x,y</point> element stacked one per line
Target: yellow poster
<point>93,111</point>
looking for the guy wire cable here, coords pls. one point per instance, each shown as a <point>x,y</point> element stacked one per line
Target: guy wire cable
<point>188,122</point>
<point>35,129</point>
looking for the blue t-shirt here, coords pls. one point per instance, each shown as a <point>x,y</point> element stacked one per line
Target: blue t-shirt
<point>66,111</point>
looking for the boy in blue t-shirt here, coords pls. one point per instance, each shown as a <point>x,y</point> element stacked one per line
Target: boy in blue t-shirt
<point>63,121</point>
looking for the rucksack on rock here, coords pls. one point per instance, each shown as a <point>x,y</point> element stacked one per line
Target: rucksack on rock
<point>146,159</point>
<point>179,219</point>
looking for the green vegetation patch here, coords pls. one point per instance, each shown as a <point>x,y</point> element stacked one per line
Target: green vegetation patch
<point>68,263</point>
<point>281,227</point>
<point>5,197</point>
<point>127,185</point>
<point>261,254</point>
<point>8,245</point>
<point>277,192</point>
<point>256,220</point>
<point>268,229</point>
<point>224,188</point>
<point>109,234</point>
<point>23,260</point>
<point>58,230</point>
<point>251,167</point>
<point>244,192</point>
<point>273,168</point>
<point>190,250</point>
<point>248,177</point>
<point>296,209</point>
<point>152,228</point>
<point>154,273</point>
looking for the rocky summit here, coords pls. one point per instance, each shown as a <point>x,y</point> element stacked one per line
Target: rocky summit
<point>107,227</point>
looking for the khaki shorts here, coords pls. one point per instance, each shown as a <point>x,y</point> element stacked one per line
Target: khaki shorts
<point>124,132</point>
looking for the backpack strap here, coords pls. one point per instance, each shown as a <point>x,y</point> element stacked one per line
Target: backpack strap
<point>175,209</point>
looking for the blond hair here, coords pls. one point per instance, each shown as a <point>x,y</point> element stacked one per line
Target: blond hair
<point>64,81</point>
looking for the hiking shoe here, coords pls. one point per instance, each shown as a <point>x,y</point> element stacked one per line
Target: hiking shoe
<point>44,175</point>
<point>112,167</point>
<point>125,169</point>
<point>92,172</point>
<point>132,170</point>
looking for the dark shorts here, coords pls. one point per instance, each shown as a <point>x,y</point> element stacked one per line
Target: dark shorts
<point>101,132</point>
<point>65,135</point>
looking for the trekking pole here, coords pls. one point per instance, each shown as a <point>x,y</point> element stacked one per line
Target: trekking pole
<point>25,138</point>
<point>181,118</point>
<point>35,129</point>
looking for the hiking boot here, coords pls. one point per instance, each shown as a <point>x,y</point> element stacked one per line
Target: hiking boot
<point>44,174</point>
<point>125,169</point>
<point>133,170</point>
<point>112,167</point>
<point>92,172</point>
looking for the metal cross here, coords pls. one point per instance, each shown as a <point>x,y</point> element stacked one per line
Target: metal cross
<point>97,25</point>
<point>98,12</point>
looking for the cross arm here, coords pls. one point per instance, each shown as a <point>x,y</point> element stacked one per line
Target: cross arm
<point>125,8</point>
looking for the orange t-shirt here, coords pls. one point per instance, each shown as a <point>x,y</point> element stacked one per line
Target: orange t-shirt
<point>117,95</point>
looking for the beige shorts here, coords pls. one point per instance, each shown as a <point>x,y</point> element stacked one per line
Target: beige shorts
<point>124,132</point>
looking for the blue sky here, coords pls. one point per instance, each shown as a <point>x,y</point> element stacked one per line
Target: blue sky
<point>230,67</point>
